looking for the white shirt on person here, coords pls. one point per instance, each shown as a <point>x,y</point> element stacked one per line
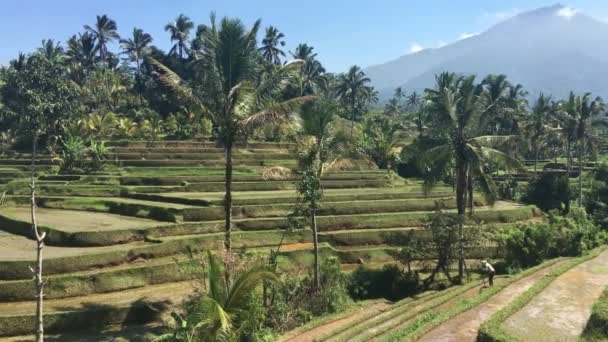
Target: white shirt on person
<point>487,267</point>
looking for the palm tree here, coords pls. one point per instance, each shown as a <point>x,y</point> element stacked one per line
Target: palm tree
<point>270,45</point>
<point>50,49</point>
<point>392,107</point>
<point>234,95</point>
<point>581,115</point>
<point>303,52</point>
<point>383,140</point>
<point>312,76</point>
<point>399,94</point>
<point>180,31</point>
<point>218,314</point>
<point>19,63</point>
<point>537,124</point>
<point>457,104</point>
<point>318,152</point>
<point>82,50</point>
<point>137,47</point>
<point>496,89</point>
<point>353,87</point>
<point>104,32</point>
<point>413,101</point>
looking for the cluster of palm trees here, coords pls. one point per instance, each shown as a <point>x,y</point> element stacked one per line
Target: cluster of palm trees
<point>480,126</point>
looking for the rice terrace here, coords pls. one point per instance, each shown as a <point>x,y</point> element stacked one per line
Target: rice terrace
<point>204,178</point>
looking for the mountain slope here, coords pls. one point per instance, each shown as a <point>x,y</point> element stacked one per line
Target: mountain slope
<point>541,49</point>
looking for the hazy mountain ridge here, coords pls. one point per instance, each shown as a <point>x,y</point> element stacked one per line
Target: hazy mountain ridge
<point>539,49</point>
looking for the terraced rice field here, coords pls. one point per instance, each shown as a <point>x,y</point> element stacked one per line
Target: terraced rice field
<point>116,240</point>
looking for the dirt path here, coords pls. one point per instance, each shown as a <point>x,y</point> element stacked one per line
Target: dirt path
<point>560,312</point>
<point>310,335</point>
<point>464,327</point>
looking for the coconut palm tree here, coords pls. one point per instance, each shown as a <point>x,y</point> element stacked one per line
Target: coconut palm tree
<point>516,106</point>
<point>580,115</point>
<point>392,107</point>
<point>399,94</point>
<point>19,63</point>
<point>538,124</point>
<point>413,101</point>
<point>82,51</point>
<point>312,76</point>
<point>180,31</point>
<point>137,47</point>
<point>496,90</point>
<point>233,93</point>
<point>457,104</point>
<point>270,45</point>
<point>303,52</point>
<point>218,314</point>
<point>51,50</point>
<point>353,87</point>
<point>383,140</point>
<point>318,151</point>
<point>104,31</point>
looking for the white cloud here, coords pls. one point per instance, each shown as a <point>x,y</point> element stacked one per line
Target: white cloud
<point>466,35</point>
<point>441,44</point>
<point>566,12</point>
<point>415,47</point>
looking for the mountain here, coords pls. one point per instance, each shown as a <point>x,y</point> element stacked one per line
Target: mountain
<point>552,50</point>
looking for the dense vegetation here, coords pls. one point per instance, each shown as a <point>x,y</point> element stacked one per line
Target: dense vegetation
<point>217,83</point>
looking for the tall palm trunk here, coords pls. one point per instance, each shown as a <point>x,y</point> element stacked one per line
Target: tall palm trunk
<point>461,190</point>
<point>228,195</point>
<point>138,80</point>
<point>536,152</point>
<point>581,146</point>
<point>38,282</point>
<point>568,157</point>
<point>315,240</point>
<point>470,196</point>
<point>352,123</point>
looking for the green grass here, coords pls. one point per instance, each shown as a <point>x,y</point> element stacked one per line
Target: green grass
<point>184,171</point>
<point>491,330</point>
<point>162,247</point>
<point>327,208</point>
<point>110,279</point>
<point>597,325</point>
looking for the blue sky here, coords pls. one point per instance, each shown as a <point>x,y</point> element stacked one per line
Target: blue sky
<point>343,32</point>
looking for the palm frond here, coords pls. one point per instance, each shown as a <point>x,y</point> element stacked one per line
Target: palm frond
<point>494,141</point>
<point>274,113</point>
<point>504,160</point>
<point>217,284</point>
<point>244,285</point>
<point>434,163</point>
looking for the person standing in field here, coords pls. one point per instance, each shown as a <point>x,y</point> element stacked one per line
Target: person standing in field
<point>489,269</point>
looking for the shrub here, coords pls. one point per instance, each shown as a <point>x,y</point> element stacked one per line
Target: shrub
<point>596,201</point>
<point>389,282</point>
<point>73,154</point>
<point>549,191</point>
<point>162,214</point>
<point>293,301</point>
<point>508,190</point>
<point>529,244</point>
<point>97,152</point>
